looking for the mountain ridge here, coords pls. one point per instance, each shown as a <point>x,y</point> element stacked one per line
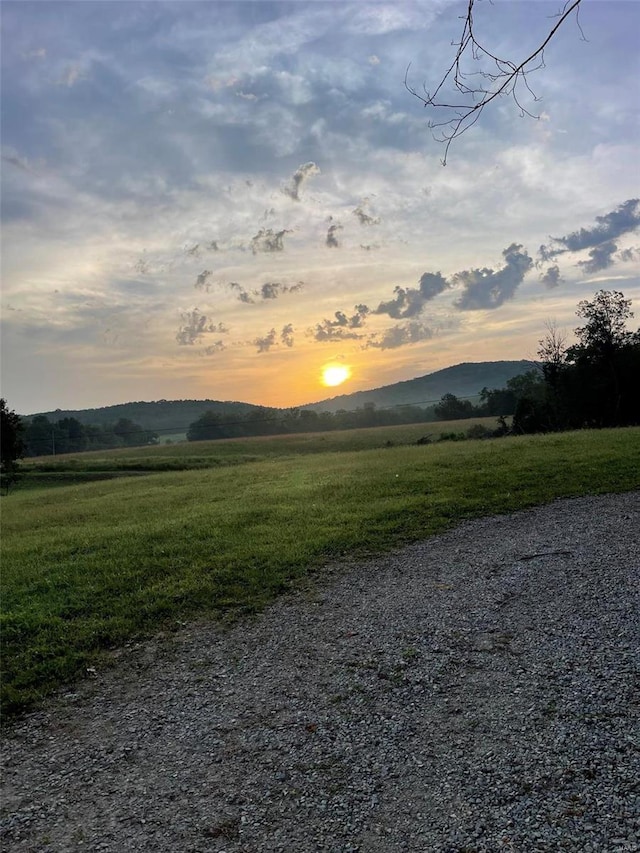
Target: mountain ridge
<point>464,380</point>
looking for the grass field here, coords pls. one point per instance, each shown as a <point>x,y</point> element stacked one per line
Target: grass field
<point>88,566</point>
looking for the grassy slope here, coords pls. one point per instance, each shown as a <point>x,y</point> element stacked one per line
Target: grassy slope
<point>86,567</point>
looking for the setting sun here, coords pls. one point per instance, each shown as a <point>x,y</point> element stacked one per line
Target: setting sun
<point>335,374</point>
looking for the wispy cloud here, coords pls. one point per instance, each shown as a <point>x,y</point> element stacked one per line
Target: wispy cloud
<point>265,343</point>
<point>363,217</point>
<point>551,278</point>
<point>286,335</point>
<point>623,220</point>
<point>332,239</point>
<point>400,336</point>
<point>410,301</point>
<point>267,240</point>
<point>600,257</point>
<point>300,176</point>
<point>195,325</point>
<point>269,291</point>
<point>488,288</point>
<point>342,327</point>
<point>202,281</point>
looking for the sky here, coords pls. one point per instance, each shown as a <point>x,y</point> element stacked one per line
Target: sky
<point>219,199</point>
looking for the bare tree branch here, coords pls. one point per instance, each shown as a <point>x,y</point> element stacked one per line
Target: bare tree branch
<point>479,88</point>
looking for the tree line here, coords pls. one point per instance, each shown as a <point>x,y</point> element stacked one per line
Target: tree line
<point>42,437</point>
<point>268,421</point>
<point>592,383</point>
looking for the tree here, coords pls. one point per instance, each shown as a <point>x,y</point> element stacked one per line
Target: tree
<point>451,408</point>
<point>12,445</point>
<point>605,331</point>
<point>494,77</point>
<point>605,359</point>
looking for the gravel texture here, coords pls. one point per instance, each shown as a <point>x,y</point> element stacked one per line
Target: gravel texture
<point>473,692</point>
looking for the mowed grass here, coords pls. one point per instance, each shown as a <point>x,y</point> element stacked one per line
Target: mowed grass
<point>87,567</point>
<point>233,451</point>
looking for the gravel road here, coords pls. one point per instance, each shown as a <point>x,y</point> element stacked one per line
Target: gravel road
<point>477,691</point>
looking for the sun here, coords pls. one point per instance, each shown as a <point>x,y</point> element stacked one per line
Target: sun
<point>335,374</point>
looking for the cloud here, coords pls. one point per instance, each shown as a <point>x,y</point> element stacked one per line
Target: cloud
<point>218,346</point>
<point>202,282</point>
<point>286,335</point>
<point>243,295</point>
<point>267,240</point>
<point>71,75</point>
<point>195,326</point>
<point>269,290</point>
<point>622,220</point>
<point>600,257</point>
<point>400,336</point>
<point>332,240</point>
<point>487,288</point>
<point>18,162</point>
<point>264,344</point>
<point>273,289</point>
<point>552,277</point>
<point>363,217</point>
<point>302,174</point>
<point>629,254</point>
<point>342,327</point>
<point>410,301</point>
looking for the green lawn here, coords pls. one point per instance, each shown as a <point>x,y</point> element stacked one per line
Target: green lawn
<point>86,567</point>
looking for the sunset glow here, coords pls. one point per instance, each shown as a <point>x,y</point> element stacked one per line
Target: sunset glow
<point>242,201</point>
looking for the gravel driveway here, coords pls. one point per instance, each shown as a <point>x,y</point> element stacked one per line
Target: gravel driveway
<point>477,691</point>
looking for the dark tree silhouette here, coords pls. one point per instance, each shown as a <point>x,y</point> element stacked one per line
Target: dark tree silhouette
<point>494,77</point>
<point>12,446</point>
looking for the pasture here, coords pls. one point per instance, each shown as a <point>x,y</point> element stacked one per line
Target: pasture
<point>218,528</point>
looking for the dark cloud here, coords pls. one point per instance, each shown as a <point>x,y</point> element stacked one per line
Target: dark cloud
<point>622,220</point>
<point>213,246</point>
<point>400,336</point>
<point>364,218</point>
<point>267,240</point>
<point>600,257</point>
<point>202,281</point>
<point>269,290</point>
<point>286,335</point>
<point>487,288</point>
<point>265,344</point>
<point>411,300</point>
<point>332,240</point>
<point>193,251</point>
<point>342,327</point>
<point>218,346</point>
<point>243,295</point>
<point>195,326</point>
<point>302,174</point>
<point>552,277</point>
<point>369,247</point>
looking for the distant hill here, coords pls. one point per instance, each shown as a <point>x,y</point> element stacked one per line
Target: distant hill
<point>161,416</point>
<point>463,380</point>
<point>166,416</point>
